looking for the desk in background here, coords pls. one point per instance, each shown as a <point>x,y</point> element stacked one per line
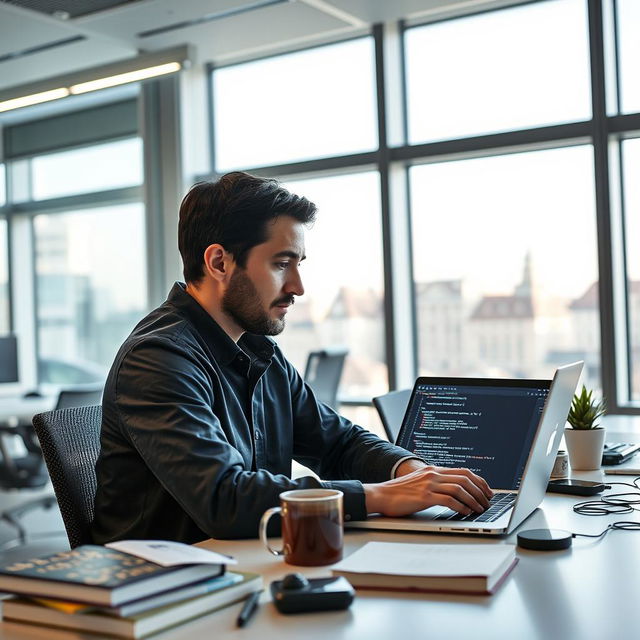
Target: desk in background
<point>24,408</point>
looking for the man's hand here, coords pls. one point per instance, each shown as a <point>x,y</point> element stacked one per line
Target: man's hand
<point>458,489</point>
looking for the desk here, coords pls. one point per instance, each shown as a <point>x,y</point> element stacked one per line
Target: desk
<point>591,591</point>
<point>24,408</point>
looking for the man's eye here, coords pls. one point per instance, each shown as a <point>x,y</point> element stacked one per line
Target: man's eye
<point>282,265</point>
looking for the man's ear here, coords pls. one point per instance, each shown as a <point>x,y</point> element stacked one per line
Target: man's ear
<point>218,262</point>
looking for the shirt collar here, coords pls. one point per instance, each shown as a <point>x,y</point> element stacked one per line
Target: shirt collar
<point>219,341</point>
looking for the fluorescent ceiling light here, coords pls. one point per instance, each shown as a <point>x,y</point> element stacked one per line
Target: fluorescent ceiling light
<point>142,67</point>
<point>34,98</point>
<point>123,78</point>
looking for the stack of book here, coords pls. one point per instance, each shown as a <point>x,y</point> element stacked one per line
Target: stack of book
<point>104,590</point>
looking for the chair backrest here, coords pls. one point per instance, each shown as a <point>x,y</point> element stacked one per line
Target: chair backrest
<point>68,398</point>
<point>391,409</point>
<point>323,373</point>
<point>70,441</point>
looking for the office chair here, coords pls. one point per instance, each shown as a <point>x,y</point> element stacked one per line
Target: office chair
<point>29,471</point>
<point>323,373</point>
<point>70,441</point>
<point>391,409</point>
<point>79,397</point>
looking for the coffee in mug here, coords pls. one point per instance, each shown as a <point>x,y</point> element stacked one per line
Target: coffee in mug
<point>312,530</point>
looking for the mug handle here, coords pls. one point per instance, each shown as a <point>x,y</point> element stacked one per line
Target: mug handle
<point>264,521</point>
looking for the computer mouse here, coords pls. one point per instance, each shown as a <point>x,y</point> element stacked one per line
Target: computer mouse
<point>294,581</point>
<point>33,394</point>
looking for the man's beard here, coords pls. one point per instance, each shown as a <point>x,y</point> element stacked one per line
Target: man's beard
<point>242,302</point>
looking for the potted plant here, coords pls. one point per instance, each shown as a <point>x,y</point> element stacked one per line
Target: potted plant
<point>585,438</point>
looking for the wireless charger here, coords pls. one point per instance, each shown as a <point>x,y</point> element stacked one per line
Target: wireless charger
<point>545,539</point>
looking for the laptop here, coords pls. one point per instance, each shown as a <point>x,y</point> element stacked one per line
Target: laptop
<point>507,431</point>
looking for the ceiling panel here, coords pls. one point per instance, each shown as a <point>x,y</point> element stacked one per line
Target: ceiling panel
<point>20,30</point>
<point>254,31</point>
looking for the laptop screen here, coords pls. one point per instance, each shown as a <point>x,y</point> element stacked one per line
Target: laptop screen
<point>486,425</point>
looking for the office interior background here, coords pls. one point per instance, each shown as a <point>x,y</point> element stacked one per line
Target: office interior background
<point>474,163</point>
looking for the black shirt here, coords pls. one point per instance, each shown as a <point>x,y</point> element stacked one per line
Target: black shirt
<point>198,433</point>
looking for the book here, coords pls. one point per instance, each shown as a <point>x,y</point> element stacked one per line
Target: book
<point>134,626</point>
<point>98,575</point>
<point>445,568</point>
<point>152,602</point>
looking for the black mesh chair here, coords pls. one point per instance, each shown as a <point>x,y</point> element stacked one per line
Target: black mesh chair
<point>391,409</point>
<point>323,373</point>
<point>70,441</point>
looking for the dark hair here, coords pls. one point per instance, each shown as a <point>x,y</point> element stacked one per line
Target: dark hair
<point>234,212</point>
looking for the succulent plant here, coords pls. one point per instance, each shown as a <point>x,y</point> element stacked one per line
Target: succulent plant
<point>585,411</point>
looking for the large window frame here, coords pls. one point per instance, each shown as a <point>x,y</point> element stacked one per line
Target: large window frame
<point>394,156</point>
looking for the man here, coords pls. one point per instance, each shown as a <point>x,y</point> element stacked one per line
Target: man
<point>202,414</point>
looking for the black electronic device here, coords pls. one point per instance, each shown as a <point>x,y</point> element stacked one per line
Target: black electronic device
<point>545,539</point>
<point>296,594</point>
<point>576,487</point>
<point>618,452</point>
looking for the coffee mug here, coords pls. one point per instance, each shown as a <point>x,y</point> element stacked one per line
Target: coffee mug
<point>312,532</point>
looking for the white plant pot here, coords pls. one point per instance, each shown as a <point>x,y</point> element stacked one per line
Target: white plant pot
<point>585,448</point>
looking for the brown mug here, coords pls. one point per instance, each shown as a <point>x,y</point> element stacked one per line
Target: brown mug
<point>312,531</point>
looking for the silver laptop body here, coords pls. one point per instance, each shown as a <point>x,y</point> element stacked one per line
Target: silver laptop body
<point>535,476</point>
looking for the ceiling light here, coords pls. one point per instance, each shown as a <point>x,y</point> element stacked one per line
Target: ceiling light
<point>123,78</point>
<point>34,98</point>
<point>142,67</point>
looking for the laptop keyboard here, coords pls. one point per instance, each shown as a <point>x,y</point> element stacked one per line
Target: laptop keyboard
<point>497,506</point>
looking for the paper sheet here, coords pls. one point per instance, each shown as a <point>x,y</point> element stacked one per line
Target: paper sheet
<point>168,553</point>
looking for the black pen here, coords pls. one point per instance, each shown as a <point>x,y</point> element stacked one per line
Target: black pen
<point>248,608</point>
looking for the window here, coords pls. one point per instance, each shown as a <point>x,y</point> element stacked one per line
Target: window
<point>631,167</point>
<point>629,54</point>
<point>498,71</point>
<point>88,169</point>
<point>506,246</point>
<point>315,103</point>
<point>91,288</point>
<point>343,279</point>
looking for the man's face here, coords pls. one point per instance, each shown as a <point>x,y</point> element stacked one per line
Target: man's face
<point>259,295</point>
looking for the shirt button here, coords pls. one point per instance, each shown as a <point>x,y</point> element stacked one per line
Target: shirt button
<point>257,434</point>
<point>347,517</point>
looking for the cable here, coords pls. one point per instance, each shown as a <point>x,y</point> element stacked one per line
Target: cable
<point>615,503</point>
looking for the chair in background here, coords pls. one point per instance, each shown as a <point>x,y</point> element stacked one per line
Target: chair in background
<point>28,470</point>
<point>391,409</point>
<point>323,373</point>
<point>79,397</point>
<point>70,441</point>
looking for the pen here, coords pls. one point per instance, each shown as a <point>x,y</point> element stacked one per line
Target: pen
<point>248,608</point>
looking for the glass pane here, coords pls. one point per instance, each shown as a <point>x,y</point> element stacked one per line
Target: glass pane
<point>4,279</point>
<point>631,155</point>
<point>343,280</point>
<point>90,287</point>
<point>629,50</point>
<point>511,69</point>
<point>104,166</point>
<point>315,103</point>
<point>505,264</point>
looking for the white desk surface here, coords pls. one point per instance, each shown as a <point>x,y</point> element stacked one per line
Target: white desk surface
<point>25,408</point>
<point>590,591</point>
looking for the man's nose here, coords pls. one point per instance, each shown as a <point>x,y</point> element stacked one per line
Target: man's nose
<point>294,284</point>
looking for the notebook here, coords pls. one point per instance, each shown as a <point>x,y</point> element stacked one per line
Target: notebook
<point>508,431</point>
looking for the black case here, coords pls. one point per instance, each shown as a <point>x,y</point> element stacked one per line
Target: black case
<point>321,594</point>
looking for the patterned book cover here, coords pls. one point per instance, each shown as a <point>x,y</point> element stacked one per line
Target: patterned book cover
<point>89,565</point>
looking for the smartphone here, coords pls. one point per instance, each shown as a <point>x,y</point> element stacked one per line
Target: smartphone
<point>576,487</point>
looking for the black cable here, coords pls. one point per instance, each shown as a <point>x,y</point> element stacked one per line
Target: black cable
<point>615,503</point>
